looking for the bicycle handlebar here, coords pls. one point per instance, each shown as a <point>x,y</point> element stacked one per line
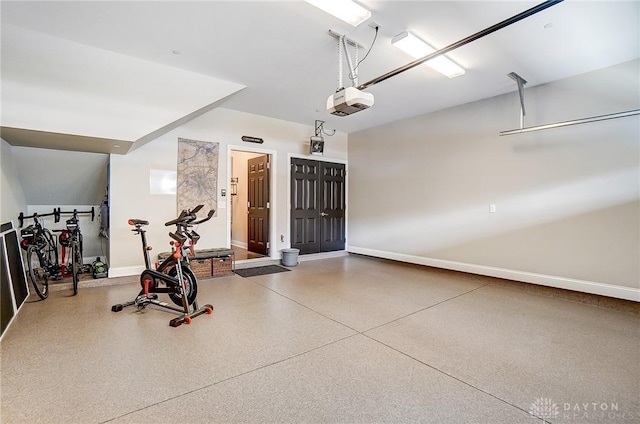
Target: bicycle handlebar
<point>36,215</point>
<point>76,212</point>
<point>56,214</point>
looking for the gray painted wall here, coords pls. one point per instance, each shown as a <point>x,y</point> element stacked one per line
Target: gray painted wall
<point>567,199</point>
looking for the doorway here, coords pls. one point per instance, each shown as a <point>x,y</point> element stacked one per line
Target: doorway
<point>318,206</point>
<point>250,204</point>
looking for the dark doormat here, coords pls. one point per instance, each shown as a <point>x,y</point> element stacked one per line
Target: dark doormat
<point>261,270</point>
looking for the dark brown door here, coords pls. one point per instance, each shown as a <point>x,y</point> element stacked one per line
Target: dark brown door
<point>258,205</point>
<point>317,206</point>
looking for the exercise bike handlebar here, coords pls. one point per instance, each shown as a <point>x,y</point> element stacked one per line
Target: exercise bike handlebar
<point>179,237</point>
<point>188,217</point>
<point>209,216</point>
<point>182,218</point>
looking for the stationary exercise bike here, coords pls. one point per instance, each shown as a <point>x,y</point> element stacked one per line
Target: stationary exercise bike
<point>173,276</point>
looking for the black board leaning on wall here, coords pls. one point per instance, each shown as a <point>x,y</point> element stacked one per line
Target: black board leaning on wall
<point>13,283</point>
<point>16,267</point>
<point>6,302</point>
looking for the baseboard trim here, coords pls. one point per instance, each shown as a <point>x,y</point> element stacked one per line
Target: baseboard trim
<point>322,255</point>
<point>239,244</point>
<point>610,290</point>
<point>125,271</point>
<point>256,262</point>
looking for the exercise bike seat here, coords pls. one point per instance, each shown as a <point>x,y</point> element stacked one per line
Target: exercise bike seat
<point>138,222</point>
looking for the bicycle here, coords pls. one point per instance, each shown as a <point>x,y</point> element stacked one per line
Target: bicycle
<point>42,253</point>
<point>174,273</point>
<point>72,238</point>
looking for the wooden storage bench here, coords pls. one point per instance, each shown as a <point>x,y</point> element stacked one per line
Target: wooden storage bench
<point>222,260</point>
<point>209,262</point>
<point>201,267</point>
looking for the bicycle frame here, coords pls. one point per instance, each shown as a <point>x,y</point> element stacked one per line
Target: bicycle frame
<point>75,243</point>
<point>76,250</point>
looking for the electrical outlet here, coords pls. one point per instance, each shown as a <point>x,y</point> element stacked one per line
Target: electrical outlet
<point>492,208</point>
<point>282,238</point>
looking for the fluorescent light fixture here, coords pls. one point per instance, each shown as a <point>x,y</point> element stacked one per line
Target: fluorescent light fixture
<point>417,48</point>
<point>346,10</point>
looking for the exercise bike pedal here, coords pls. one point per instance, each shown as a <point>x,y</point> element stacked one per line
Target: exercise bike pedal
<point>117,308</point>
<point>142,301</point>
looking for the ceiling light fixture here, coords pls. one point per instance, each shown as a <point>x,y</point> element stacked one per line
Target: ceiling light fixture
<point>417,48</point>
<point>345,10</point>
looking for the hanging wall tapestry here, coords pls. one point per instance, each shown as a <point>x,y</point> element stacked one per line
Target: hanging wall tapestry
<point>197,175</point>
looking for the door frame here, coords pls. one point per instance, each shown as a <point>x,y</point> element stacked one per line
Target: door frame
<point>273,251</point>
<point>344,162</point>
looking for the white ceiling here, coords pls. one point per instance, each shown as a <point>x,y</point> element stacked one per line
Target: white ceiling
<point>282,53</point>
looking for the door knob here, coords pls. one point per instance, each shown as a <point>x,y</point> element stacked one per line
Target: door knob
<point>324,214</point>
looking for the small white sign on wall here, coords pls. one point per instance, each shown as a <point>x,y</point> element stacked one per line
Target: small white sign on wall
<point>162,181</point>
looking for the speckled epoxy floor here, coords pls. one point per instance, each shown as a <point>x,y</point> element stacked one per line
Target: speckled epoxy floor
<point>340,340</point>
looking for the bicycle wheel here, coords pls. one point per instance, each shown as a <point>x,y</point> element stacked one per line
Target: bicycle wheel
<point>37,268</point>
<point>76,264</point>
<point>189,282</point>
